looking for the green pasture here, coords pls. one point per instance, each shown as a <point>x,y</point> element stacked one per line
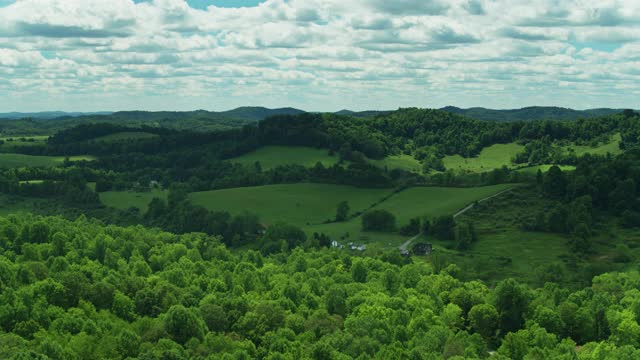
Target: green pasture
<point>10,160</point>
<point>492,157</point>
<point>414,202</point>
<point>612,147</point>
<point>297,204</point>
<point>126,199</point>
<point>404,162</point>
<point>10,142</point>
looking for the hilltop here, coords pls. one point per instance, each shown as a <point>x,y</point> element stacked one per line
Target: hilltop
<point>530,113</point>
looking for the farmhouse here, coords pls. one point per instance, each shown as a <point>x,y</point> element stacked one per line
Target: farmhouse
<point>422,249</point>
<point>336,245</point>
<point>357,247</point>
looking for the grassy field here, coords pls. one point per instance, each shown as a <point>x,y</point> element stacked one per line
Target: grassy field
<point>506,253</point>
<point>505,250</point>
<point>404,162</point>
<point>492,157</point>
<point>297,204</point>
<point>496,156</point>
<point>125,135</point>
<point>8,160</point>
<point>310,205</point>
<point>613,147</point>
<point>273,156</point>
<point>544,168</point>
<point>126,199</point>
<point>414,202</point>
<point>31,182</point>
<point>11,142</point>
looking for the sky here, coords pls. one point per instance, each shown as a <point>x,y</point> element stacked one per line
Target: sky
<point>317,55</point>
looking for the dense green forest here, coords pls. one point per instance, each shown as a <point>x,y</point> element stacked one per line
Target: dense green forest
<point>530,113</point>
<point>175,278</point>
<point>79,289</point>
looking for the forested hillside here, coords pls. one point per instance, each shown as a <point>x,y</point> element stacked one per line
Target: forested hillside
<point>530,113</point>
<point>83,290</point>
<point>199,120</point>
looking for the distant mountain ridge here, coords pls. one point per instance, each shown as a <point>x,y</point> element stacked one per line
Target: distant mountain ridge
<point>251,114</point>
<point>48,114</point>
<point>530,113</point>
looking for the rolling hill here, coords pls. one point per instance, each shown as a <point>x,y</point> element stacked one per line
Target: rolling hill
<point>530,113</point>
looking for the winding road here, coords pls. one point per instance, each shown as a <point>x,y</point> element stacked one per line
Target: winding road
<point>404,247</point>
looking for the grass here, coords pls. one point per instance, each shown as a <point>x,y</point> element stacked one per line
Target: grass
<point>297,204</point>
<point>506,253</point>
<point>492,157</point>
<point>125,135</point>
<point>123,200</point>
<point>612,147</point>
<point>404,162</point>
<point>9,160</point>
<point>505,250</point>
<point>545,168</point>
<point>11,142</point>
<point>427,202</point>
<point>498,155</point>
<point>310,205</point>
<point>31,182</point>
<point>435,201</point>
<point>273,156</point>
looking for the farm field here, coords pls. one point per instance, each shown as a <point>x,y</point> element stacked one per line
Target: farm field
<point>296,204</point>
<point>10,142</point>
<point>544,168</point>
<point>613,147</point>
<point>125,135</point>
<point>498,155</point>
<point>404,162</point>
<point>123,200</point>
<point>273,156</point>
<point>492,157</point>
<point>9,160</point>
<point>427,202</point>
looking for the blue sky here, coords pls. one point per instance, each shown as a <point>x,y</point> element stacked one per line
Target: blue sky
<point>319,55</point>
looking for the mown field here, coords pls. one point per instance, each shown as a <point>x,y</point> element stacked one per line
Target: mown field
<point>612,147</point>
<point>499,155</point>
<point>313,206</point>
<point>544,168</point>
<point>297,204</point>
<point>273,156</point>
<point>10,160</point>
<point>404,162</point>
<point>427,202</point>
<point>492,157</point>
<point>11,142</point>
<point>125,199</point>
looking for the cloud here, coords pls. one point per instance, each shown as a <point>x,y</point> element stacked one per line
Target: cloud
<point>410,7</point>
<point>520,34</point>
<point>318,54</point>
<point>64,31</point>
<point>474,7</point>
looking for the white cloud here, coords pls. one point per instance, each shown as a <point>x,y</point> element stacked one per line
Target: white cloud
<point>318,54</point>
